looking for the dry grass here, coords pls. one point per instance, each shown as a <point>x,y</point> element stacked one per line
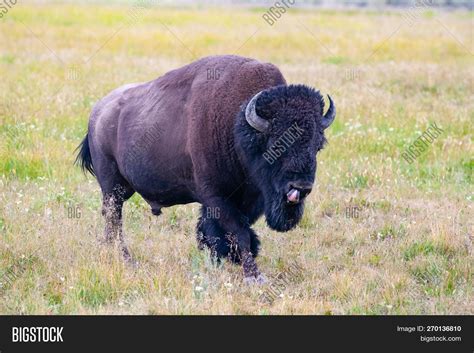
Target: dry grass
<point>410,250</point>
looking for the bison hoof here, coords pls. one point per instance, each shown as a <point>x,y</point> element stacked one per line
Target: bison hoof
<point>259,280</point>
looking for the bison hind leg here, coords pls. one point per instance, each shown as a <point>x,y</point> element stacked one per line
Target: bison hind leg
<point>115,191</point>
<point>112,205</point>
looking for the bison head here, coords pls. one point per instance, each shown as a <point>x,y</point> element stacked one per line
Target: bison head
<point>279,132</point>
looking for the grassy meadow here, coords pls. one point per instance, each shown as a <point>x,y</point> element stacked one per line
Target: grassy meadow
<point>379,235</point>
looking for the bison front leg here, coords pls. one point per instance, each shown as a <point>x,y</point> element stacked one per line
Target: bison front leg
<point>233,222</point>
<point>211,235</point>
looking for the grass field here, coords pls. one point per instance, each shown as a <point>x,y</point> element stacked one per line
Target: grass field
<point>379,235</point>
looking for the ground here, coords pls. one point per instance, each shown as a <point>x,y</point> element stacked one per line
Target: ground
<point>379,236</point>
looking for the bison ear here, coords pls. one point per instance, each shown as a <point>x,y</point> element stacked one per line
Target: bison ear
<point>328,118</point>
<point>252,117</point>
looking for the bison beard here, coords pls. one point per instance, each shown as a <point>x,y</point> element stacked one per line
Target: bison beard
<point>282,216</point>
<point>183,138</point>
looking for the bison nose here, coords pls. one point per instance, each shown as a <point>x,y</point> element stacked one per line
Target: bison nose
<point>298,191</point>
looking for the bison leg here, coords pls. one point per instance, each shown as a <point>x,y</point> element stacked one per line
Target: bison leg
<point>115,191</point>
<point>232,221</point>
<point>211,235</point>
<point>221,243</point>
<point>112,205</point>
<point>254,241</point>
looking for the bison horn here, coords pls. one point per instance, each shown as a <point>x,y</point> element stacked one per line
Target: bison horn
<point>252,117</point>
<point>328,118</point>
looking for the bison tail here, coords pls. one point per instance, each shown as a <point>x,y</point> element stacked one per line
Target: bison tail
<point>84,159</point>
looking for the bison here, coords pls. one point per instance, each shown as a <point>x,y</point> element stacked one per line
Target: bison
<point>240,141</point>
